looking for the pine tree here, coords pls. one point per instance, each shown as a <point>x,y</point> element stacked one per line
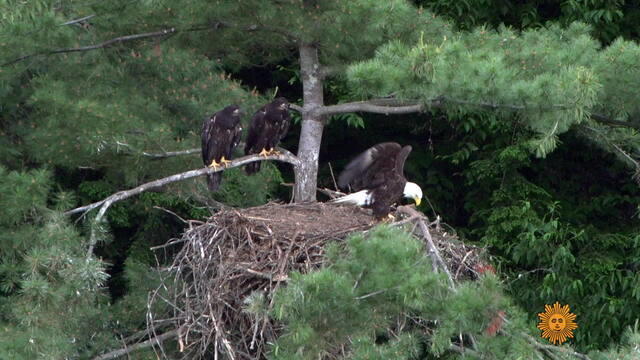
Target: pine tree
<point>379,299</point>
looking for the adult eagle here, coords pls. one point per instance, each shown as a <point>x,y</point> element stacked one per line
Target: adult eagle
<point>220,135</point>
<point>268,126</point>
<point>377,177</point>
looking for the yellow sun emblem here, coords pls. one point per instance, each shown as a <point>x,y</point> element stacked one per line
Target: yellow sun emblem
<point>557,323</point>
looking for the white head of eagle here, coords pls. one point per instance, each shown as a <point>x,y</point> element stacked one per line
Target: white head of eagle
<point>413,191</point>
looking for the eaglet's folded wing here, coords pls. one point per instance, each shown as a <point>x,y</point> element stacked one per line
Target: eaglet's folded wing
<point>206,135</point>
<point>255,130</point>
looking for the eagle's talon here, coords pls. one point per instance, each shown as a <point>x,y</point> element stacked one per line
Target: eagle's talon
<point>224,162</point>
<point>214,165</point>
<point>264,152</point>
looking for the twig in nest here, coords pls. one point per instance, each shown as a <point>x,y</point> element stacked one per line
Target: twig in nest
<point>335,185</point>
<point>433,250</point>
<point>172,213</point>
<point>331,193</point>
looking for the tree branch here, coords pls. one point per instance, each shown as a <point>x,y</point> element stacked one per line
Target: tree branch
<point>560,349</point>
<point>369,106</point>
<point>394,106</point>
<point>436,259</point>
<point>71,22</point>
<point>145,344</point>
<point>121,39</point>
<point>295,107</point>
<point>167,154</point>
<point>632,123</point>
<point>101,45</point>
<point>161,155</point>
<point>104,204</point>
<point>286,156</point>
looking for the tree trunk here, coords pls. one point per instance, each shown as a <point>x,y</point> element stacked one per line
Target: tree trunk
<point>306,172</point>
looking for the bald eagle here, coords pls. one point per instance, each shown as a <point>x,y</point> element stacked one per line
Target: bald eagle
<point>220,135</point>
<point>377,177</point>
<point>268,126</point>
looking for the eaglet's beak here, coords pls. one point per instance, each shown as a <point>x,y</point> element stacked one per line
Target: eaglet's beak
<point>417,200</point>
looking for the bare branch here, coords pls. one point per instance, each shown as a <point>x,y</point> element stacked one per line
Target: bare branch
<point>113,41</point>
<point>101,45</point>
<point>160,33</point>
<point>167,154</point>
<point>71,22</point>
<point>143,345</point>
<point>554,348</point>
<point>394,106</point>
<point>161,155</point>
<point>433,249</point>
<point>104,204</point>
<point>632,123</point>
<point>295,107</point>
<point>285,156</point>
<point>369,106</point>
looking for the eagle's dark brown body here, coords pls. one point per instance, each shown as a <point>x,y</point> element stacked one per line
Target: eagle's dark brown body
<point>220,135</point>
<point>268,126</point>
<point>379,170</point>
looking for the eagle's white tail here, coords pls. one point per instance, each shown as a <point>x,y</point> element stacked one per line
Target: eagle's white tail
<point>360,198</point>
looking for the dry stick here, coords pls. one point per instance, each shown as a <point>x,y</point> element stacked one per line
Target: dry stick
<point>285,156</point>
<point>71,22</point>
<point>331,194</point>
<point>335,185</point>
<point>145,344</point>
<point>160,155</point>
<point>433,250</point>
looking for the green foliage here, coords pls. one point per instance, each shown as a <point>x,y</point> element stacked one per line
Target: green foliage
<point>240,190</point>
<point>551,78</point>
<point>378,280</point>
<point>52,296</point>
<point>609,19</point>
<point>555,245</point>
<point>628,349</point>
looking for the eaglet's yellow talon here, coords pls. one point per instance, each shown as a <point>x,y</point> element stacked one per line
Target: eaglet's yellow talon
<point>264,153</point>
<point>274,152</point>
<point>224,162</point>
<point>214,165</point>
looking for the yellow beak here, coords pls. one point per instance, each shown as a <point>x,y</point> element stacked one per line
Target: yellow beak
<point>418,200</point>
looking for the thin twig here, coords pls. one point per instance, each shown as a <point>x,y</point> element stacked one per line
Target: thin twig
<point>172,213</point>
<point>335,185</point>
<point>71,22</point>
<point>143,345</point>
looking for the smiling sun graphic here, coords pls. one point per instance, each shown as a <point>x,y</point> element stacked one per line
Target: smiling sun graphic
<point>557,323</point>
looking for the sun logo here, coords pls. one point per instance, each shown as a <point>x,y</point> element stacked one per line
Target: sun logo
<point>557,323</point>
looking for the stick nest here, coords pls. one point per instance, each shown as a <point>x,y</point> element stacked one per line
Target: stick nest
<point>239,253</point>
